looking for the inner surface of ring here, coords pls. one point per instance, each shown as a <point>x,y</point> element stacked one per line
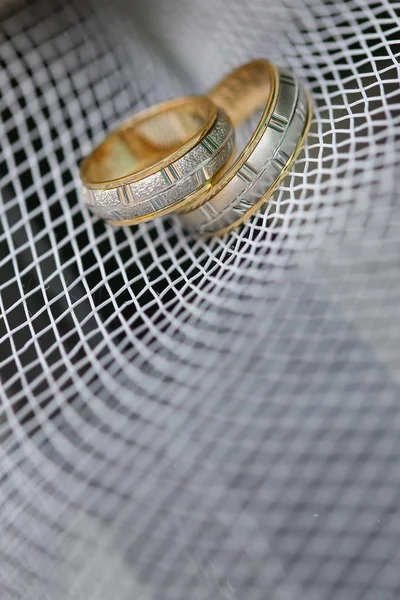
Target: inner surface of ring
<point>244,92</point>
<point>147,139</point>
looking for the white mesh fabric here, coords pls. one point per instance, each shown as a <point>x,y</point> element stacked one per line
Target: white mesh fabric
<point>184,418</point>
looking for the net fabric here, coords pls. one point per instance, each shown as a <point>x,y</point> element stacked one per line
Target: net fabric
<point>184,418</point>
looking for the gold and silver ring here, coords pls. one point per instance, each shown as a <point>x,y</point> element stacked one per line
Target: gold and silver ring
<point>179,156</point>
<point>158,161</point>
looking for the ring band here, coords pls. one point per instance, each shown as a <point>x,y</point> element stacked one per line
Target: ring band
<point>258,171</point>
<point>178,156</point>
<point>158,161</point>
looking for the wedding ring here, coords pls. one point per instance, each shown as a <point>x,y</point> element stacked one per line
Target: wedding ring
<point>265,161</point>
<point>158,161</point>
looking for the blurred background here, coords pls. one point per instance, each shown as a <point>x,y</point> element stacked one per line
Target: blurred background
<point>187,418</point>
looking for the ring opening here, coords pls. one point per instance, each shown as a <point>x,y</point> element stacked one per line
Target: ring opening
<point>148,141</point>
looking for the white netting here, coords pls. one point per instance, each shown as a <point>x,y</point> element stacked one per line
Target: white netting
<point>184,418</point>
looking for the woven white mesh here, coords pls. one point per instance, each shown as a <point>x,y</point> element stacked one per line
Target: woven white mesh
<point>199,419</point>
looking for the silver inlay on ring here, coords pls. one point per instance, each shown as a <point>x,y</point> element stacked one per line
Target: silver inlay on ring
<point>171,184</point>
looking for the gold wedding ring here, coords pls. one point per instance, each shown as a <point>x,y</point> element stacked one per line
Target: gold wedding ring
<point>158,161</point>
<point>267,157</point>
<point>179,156</point>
